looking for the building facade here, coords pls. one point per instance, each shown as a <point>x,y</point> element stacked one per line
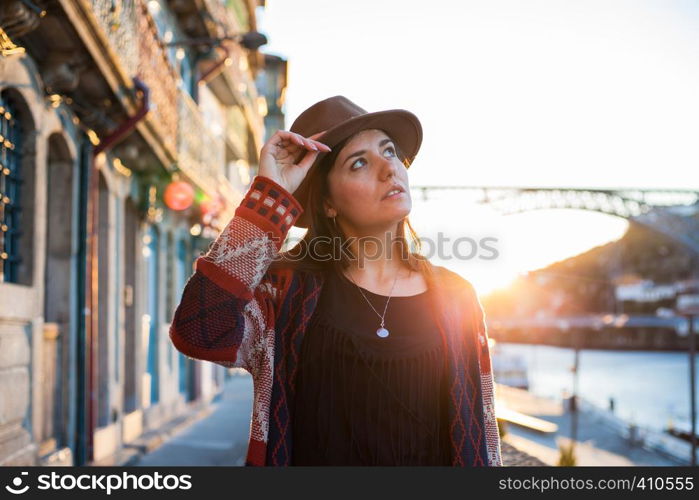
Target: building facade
<point>130,131</point>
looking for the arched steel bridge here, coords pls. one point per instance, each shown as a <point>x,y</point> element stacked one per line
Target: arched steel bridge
<point>671,212</point>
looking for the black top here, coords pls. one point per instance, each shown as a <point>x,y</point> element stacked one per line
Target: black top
<point>366,400</point>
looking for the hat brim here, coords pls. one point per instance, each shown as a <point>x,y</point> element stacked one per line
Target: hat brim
<point>401,125</point>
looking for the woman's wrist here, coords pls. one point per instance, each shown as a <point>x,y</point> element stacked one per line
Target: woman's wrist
<point>270,204</point>
<point>275,182</point>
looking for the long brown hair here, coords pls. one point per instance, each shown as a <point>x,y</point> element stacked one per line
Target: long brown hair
<point>328,239</point>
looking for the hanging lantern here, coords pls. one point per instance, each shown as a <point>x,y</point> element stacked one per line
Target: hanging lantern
<point>179,195</point>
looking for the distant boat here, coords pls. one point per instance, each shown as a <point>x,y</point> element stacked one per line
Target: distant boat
<point>508,369</point>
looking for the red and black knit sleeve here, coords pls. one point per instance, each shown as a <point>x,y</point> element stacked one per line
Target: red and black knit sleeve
<point>479,327</point>
<point>226,309</point>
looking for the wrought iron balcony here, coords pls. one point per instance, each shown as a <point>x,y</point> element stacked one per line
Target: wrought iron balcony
<point>137,50</point>
<point>201,155</point>
<point>237,131</point>
<point>118,22</point>
<point>155,70</point>
<point>225,23</point>
<point>174,121</point>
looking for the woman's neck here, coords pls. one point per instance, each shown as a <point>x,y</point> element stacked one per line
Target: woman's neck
<point>380,261</point>
<point>378,272</point>
<point>387,278</point>
<point>375,249</point>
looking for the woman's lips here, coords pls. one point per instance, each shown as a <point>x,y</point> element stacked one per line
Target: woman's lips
<point>394,196</point>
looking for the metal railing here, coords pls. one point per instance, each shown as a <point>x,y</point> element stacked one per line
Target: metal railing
<point>118,21</point>
<point>223,21</point>
<point>237,130</point>
<point>155,70</point>
<point>201,155</point>
<point>133,39</point>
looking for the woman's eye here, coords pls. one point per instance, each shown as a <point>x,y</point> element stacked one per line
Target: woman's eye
<point>353,164</point>
<point>388,149</point>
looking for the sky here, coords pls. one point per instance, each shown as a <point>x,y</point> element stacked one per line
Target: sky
<point>542,93</point>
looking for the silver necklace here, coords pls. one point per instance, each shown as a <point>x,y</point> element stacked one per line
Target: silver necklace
<point>381,331</point>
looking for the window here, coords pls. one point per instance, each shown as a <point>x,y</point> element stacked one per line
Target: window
<point>10,191</point>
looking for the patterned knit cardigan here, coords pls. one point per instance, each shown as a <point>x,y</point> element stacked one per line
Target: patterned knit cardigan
<point>236,312</point>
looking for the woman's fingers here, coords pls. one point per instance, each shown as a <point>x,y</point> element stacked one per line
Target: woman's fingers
<point>322,146</point>
<point>286,157</point>
<point>318,143</point>
<point>302,141</point>
<point>298,140</point>
<point>313,145</point>
<point>307,160</point>
<point>291,136</point>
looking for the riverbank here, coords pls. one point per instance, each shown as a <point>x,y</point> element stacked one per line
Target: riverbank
<point>648,388</point>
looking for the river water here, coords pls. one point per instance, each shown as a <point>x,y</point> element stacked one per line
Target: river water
<point>648,388</point>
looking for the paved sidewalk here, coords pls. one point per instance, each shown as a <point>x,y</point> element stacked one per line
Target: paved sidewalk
<point>597,444</point>
<point>219,439</point>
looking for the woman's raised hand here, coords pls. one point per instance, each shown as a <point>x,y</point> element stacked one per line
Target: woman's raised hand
<point>279,155</point>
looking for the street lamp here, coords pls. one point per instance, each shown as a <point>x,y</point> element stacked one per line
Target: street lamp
<point>252,40</point>
<point>565,326</point>
<point>688,306</point>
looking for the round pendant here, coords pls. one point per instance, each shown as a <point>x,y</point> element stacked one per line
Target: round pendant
<point>382,332</point>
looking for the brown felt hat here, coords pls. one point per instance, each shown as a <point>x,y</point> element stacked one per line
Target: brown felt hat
<point>341,118</point>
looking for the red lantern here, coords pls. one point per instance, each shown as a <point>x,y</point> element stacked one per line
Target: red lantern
<point>179,195</point>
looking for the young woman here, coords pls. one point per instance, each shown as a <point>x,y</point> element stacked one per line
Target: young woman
<point>362,352</point>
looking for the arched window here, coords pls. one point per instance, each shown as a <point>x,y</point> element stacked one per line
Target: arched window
<point>57,358</point>
<point>15,192</point>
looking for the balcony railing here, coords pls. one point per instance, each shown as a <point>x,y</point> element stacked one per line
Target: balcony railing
<point>201,155</point>
<point>155,70</point>
<point>118,22</point>
<point>136,47</point>
<point>237,131</point>
<point>225,23</point>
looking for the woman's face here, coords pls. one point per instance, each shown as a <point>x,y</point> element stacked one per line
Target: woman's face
<point>365,171</point>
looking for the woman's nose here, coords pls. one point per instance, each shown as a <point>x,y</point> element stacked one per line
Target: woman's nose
<point>388,168</point>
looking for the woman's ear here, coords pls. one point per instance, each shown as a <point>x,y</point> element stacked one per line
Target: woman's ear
<point>329,210</point>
